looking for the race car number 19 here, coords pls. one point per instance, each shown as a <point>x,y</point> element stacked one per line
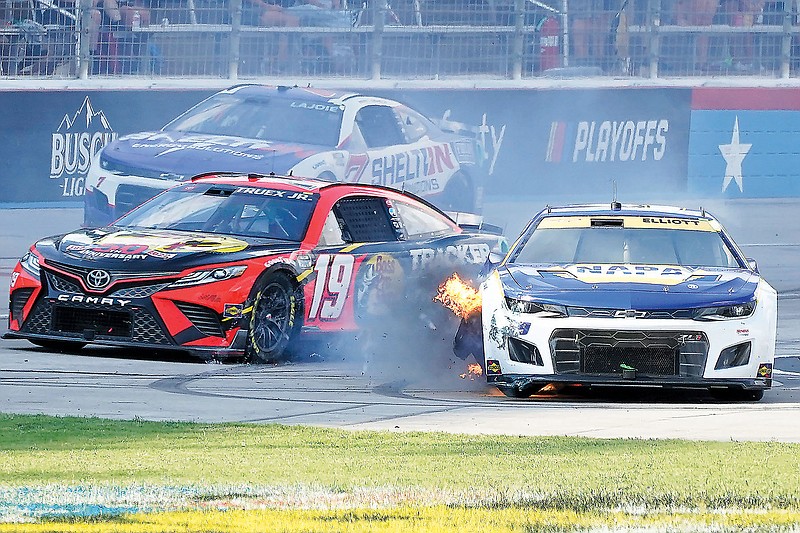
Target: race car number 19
<point>334,273</point>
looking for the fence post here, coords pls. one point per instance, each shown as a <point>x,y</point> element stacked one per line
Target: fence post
<point>517,48</point>
<point>235,40</point>
<point>565,29</point>
<point>786,41</point>
<point>84,22</point>
<point>654,24</point>
<point>376,57</point>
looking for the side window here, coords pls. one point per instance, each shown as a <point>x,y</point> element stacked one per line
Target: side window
<point>415,126</point>
<point>331,232</point>
<point>421,221</point>
<point>379,126</point>
<point>366,219</point>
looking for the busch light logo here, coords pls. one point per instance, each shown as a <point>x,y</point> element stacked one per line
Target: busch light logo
<point>74,145</point>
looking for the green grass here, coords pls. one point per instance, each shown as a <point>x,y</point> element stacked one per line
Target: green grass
<point>559,474</point>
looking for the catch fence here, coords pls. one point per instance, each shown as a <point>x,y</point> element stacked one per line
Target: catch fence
<point>404,39</point>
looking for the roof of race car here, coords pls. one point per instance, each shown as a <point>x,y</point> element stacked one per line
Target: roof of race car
<point>282,91</point>
<point>617,209</point>
<point>293,183</point>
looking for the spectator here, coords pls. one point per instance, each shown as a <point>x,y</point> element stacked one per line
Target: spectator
<point>590,25</point>
<point>743,13</point>
<point>123,15</point>
<point>274,13</point>
<point>324,14</point>
<point>697,13</point>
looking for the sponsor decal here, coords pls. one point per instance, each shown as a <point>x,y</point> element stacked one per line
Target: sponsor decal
<point>233,310</point>
<point>379,286</point>
<point>493,367</point>
<point>73,145</point>
<point>459,254</point>
<point>420,164</point>
<point>487,136</point>
<point>677,223</point>
<point>286,195</point>
<point>630,313</point>
<point>764,371</point>
<point>689,337</point>
<point>607,141</point>
<point>652,274</point>
<point>98,279</point>
<point>107,251</point>
<point>113,247</point>
<point>743,332</point>
<point>218,144</point>
<point>80,298</point>
<point>524,328</point>
<point>14,277</point>
<point>316,107</point>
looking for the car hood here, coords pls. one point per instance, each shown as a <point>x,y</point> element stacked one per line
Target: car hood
<point>179,155</point>
<point>144,250</point>
<point>630,286</point>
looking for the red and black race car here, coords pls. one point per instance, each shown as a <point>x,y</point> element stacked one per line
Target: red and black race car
<point>236,264</point>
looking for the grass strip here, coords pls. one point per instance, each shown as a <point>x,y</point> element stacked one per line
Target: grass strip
<point>555,480</point>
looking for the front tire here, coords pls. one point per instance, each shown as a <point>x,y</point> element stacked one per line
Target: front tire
<point>459,195</point>
<point>274,321</point>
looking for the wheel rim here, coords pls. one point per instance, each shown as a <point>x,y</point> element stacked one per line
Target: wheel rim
<point>271,318</point>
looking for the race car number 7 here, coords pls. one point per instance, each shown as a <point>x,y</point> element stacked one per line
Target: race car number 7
<point>334,274</point>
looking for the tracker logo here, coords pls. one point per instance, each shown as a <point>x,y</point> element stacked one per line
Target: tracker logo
<point>74,144</point>
<point>607,141</point>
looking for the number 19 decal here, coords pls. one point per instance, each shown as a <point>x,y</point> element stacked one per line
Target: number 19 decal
<point>334,273</point>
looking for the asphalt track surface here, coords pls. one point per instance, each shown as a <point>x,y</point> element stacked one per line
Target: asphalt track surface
<point>412,388</point>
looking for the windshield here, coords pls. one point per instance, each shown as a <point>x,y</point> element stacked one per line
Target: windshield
<point>228,210</point>
<point>620,245</point>
<point>273,119</point>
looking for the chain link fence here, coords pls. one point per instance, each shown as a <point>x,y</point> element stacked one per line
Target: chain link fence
<point>404,39</point>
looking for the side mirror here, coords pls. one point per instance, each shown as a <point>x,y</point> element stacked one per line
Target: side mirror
<point>495,258</point>
<point>753,264</point>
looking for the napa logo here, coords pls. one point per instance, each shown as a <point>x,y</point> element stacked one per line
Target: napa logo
<point>74,144</point>
<point>609,273</point>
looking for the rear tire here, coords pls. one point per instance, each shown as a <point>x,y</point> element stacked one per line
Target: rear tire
<point>459,195</point>
<point>58,346</point>
<point>275,320</point>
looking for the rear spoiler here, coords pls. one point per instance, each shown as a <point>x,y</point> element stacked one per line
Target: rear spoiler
<point>473,222</point>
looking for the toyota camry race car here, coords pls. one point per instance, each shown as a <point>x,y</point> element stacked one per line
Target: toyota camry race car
<point>291,131</point>
<point>230,264</point>
<point>625,295</point>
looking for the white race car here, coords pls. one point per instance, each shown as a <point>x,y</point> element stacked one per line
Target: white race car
<point>625,295</point>
<point>302,132</point>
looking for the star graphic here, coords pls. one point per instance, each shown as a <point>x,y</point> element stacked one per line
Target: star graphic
<point>734,155</point>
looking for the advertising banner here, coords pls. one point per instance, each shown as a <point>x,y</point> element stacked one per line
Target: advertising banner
<point>745,143</point>
<point>573,142</point>
<point>55,134</point>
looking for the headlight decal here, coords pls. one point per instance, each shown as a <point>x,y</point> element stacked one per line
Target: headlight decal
<point>726,312</point>
<point>200,277</point>
<point>516,305</point>
<point>30,263</point>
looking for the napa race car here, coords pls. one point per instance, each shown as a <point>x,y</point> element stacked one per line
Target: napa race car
<point>306,132</point>
<point>612,295</point>
<point>233,264</point>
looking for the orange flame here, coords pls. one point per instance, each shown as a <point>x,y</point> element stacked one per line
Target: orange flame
<point>474,370</point>
<point>459,297</point>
